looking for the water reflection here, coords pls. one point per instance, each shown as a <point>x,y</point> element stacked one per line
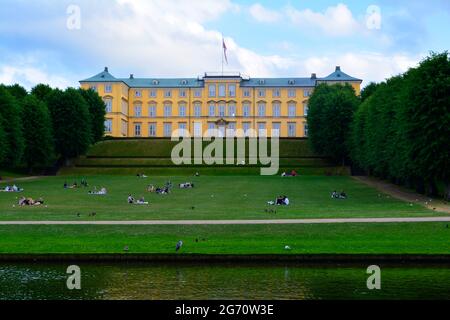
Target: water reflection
<point>222,281</point>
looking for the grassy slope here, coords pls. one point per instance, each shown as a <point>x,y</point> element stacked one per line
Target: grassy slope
<point>406,238</point>
<point>162,148</point>
<point>227,197</point>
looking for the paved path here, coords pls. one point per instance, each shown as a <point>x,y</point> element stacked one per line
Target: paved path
<point>230,222</point>
<point>405,194</point>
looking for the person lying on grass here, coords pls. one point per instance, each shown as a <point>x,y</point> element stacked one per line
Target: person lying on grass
<point>141,201</point>
<point>102,191</point>
<point>164,190</point>
<point>336,195</point>
<point>30,202</point>
<point>186,185</point>
<point>293,173</point>
<point>13,188</point>
<point>141,175</point>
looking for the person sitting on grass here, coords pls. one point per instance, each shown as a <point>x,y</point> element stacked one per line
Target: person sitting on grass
<point>150,188</point>
<point>66,185</point>
<point>280,201</point>
<point>84,183</point>
<point>130,199</point>
<point>334,195</point>
<point>343,195</point>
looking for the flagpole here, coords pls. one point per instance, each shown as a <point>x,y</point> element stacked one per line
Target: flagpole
<point>222,53</point>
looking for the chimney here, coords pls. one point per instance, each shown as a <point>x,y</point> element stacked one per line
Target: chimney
<point>313,76</point>
<point>131,76</point>
<point>338,68</point>
<point>106,69</point>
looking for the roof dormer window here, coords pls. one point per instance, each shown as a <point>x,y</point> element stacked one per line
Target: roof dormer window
<point>155,82</point>
<point>184,82</point>
<point>291,82</point>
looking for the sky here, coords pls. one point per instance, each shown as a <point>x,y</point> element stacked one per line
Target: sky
<point>62,42</point>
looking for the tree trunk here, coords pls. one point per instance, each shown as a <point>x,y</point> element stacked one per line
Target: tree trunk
<point>420,186</point>
<point>447,191</point>
<point>431,188</point>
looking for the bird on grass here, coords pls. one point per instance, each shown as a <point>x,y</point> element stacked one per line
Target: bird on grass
<point>179,245</point>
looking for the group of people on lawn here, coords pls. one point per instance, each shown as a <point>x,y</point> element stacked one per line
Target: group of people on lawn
<point>12,188</point>
<point>75,184</point>
<point>30,202</point>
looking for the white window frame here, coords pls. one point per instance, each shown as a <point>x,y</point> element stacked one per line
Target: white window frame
<point>152,129</point>
<point>137,110</point>
<point>152,110</point>
<point>261,109</point>
<point>108,125</point>
<point>167,110</point>
<point>137,129</point>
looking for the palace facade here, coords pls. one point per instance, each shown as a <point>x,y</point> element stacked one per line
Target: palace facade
<point>148,107</point>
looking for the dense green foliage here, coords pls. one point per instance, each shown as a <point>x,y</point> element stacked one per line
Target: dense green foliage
<point>398,129</point>
<point>47,124</point>
<point>71,122</point>
<point>39,151</point>
<point>14,144</point>
<point>401,130</point>
<point>331,109</point>
<point>97,113</point>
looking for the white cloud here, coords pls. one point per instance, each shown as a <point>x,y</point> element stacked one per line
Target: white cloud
<point>335,21</point>
<point>371,67</point>
<point>30,76</point>
<point>262,14</point>
<point>170,39</point>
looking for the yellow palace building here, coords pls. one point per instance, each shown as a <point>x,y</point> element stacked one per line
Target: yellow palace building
<point>148,107</point>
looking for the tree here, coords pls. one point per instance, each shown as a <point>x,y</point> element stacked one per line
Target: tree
<point>331,110</point>
<point>368,90</point>
<point>3,143</point>
<point>12,126</point>
<point>39,151</point>
<point>41,91</point>
<point>427,116</point>
<point>71,122</point>
<point>17,91</point>
<point>97,113</point>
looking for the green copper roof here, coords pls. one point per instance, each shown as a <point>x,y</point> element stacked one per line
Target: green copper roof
<point>338,75</point>
<point>132,82</point>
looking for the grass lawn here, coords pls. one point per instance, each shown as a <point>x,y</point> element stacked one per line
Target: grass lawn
<point>378,238</point>
<point>224,197</point>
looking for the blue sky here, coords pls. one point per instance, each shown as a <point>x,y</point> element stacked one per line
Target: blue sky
<point>57,43</point>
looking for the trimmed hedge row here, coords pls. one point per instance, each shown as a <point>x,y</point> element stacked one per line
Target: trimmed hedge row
<point>167,162</point>
<point>162,148</point>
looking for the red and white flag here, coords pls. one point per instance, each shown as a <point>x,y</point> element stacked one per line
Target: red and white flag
<point>224,50</point>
